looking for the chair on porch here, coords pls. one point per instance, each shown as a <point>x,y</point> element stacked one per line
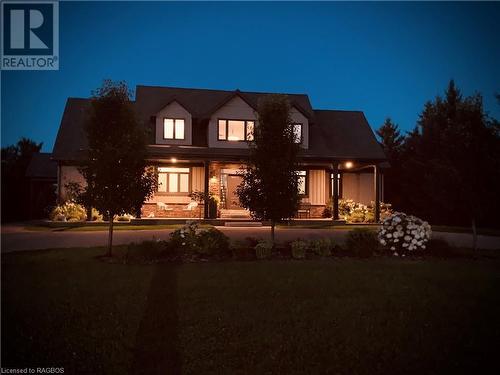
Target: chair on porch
<point>304,210</point>
<point>163,207</point>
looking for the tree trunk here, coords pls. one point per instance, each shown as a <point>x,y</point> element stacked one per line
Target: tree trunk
<point>110,234</point>
<point>272,231</point>
<point>474,235</point>
<point>89,213</point>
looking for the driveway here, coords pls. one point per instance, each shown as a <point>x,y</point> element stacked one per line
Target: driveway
<point>16,238</point>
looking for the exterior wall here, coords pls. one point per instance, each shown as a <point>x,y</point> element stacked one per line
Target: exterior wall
<point>238,109</point>
<point>174,110</point>
<point>67,174</point>
<point>176,204</point>
<point>359,187</point>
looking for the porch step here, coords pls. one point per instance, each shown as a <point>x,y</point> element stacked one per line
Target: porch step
<point>242,224</point>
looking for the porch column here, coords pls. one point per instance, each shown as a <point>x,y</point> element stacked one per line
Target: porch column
<point>206,188</point>
<point>335,193</point>
<point>376,181</point>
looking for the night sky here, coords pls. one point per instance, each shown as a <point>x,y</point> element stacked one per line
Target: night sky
<point>386,59</point>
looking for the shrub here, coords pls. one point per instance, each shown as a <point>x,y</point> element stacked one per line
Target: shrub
<point>322,247</point>
<point>354,212</point>
<point>402,234</point>
<point>185,238</point>
<point>95,215</point>
<point>213,242</point>
<point>150,250</point>
<point>361,242</point>
<point>299,249</point>
<point>69,211</point>
<point>124,217</point>
<point>263,249</point>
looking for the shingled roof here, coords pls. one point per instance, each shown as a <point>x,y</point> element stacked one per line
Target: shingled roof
<point>42,167</point>
<point>332,134</point>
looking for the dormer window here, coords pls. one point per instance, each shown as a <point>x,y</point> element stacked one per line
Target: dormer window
<point>173,128</point>
<point>297,133</point>
<point>235,130</point>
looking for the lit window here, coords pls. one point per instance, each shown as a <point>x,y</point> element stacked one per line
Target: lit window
<point>302,182</point>
<point>235,130</point>
<point>173,180</point>
<point>173,128</point>
<point>297,133</point>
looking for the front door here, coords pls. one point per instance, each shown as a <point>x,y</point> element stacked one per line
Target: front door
<point>233,202</point>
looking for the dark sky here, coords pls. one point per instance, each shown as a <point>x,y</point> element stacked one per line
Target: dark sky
<point>386,59</point>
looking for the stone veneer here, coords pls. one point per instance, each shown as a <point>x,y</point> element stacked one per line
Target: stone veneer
<point>177,211</point>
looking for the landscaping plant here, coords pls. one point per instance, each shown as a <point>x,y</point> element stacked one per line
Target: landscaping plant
<point>322,247</point>
<point>68,211</point>
<point>263,249</point>
<point>299,249</point>
<point>403,234</point>
<point>361,242</point>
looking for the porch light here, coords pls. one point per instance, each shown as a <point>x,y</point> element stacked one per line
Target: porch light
<point>213,180</point>
<point>348,164</point>
<point>173,160</point>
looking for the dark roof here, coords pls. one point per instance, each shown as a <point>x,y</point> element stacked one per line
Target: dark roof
<point>71,139</point>
<point>202,103</point>
<point>332,134</point>
<point>42,166</point>
<point>343,135</point>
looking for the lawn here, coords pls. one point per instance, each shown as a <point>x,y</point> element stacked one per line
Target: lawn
<point>345,316</point>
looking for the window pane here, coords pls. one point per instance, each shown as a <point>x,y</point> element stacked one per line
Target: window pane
<point>168,128</point>
<point>184,183</point>
<point>173,179</point>
<point>250,126</point>
<point>179,129</point>
<point>297,132</point>
<point>162,182</point>
<point>222,129</point>
<point>236,131</point>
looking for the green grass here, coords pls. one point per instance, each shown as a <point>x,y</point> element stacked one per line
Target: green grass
<point>345,316</point>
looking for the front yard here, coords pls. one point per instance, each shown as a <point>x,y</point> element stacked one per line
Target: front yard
<point>341,315</point>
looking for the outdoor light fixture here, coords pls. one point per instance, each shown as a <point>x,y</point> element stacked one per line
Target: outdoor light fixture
<point>348,164</point>
<point>173,160</point>
<point>213,179</point>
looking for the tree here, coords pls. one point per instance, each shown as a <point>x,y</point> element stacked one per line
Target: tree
<point>270,184</point>
<point>15,161</point>
<point>115,169</point>
<point>451,161</point>
<point>392,141</point>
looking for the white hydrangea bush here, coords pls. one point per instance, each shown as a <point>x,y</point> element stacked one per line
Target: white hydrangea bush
<point>404,234</point>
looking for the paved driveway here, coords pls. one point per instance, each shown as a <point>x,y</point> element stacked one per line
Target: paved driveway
<point>16,238</point>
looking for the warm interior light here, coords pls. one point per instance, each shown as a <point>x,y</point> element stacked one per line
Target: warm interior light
<point>348,164</point>
<point>173,160</point>
<point>233,138</point>
<point>213,179</point>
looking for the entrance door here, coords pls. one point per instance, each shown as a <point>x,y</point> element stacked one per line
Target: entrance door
<point>233,203</point>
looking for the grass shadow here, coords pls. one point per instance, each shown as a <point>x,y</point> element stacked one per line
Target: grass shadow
<point>157,347</point>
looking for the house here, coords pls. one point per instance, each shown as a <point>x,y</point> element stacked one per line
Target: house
<point>199,141</point>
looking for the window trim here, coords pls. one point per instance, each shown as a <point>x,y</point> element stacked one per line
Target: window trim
<point>227,129</point>
<point>306,178</point>
<point>178,193</point>
<point>174,119</point>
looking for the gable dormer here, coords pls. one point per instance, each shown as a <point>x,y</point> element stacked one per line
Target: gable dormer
<point>174,125</point>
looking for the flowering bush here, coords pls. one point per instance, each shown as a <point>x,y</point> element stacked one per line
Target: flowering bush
<point>403,234</point>
<point>185,238</point>
<point>125,217</point>
<point>69,211</point>
<point>354,212</point>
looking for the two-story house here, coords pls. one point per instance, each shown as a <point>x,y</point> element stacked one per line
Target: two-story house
<point>199,142</point>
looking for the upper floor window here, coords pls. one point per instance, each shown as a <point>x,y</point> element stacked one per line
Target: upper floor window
<point>173,180</point>
<point>297,133</point>
<point>235,130</point>
<point>173,128</point>
<point>302,182</point>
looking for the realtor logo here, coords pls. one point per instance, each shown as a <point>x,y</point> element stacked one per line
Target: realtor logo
<point>30,35</point>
